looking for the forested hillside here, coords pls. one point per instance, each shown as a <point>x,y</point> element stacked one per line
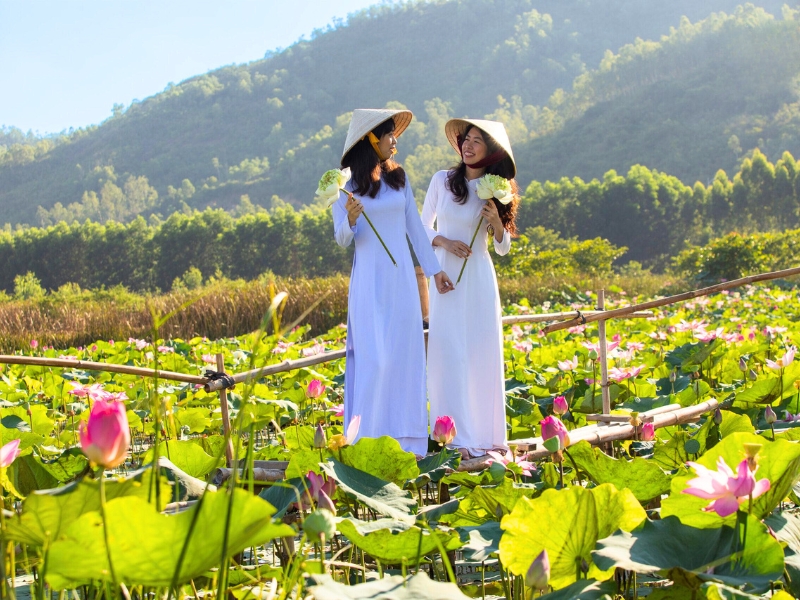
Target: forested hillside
<point>574,102</point>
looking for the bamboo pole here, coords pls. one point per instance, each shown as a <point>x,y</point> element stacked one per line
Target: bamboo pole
<point>226,418</point>
<point>603,356</point>
<point>73,363</point>
<point>624,312</point>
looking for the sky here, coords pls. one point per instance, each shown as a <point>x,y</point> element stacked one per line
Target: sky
<point>65,63</point>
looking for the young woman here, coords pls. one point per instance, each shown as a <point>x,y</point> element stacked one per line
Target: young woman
<point>385,372</point>
<point>465,340</point>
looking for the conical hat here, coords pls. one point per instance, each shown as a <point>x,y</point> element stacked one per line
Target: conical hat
<point>365,120</point>
<point>495,129</point>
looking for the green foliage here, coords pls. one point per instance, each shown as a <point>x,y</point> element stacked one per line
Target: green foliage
<point>191,280</point>
<point>734,256</point>
<point>28,287</point>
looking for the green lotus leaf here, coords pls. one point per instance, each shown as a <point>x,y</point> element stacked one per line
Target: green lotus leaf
<point>145,545</point>
<point>187,456</point>
<point>437,465</point>
<point>681,552</point>
<point>382,457</point>
<point>489,503</point>
<point>393,542</point>
<point>786,527</point>
<point>413,587</point>
<point>382,496</point>
<point>304,461</point>
<point>46,514</point>
<point>641,476</point>
<point>778,461</point>
<point>567,523</point>
<point>480,542</point>
<point>585,589</point>
<point>196,420</point>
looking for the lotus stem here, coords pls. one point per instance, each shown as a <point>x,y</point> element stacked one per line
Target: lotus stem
<point>105,534</point>
<point>474,235</point>
<point>380,239</point>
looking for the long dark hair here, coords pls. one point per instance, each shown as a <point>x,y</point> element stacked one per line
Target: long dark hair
<point>367,169</point>
<point>457,182</point>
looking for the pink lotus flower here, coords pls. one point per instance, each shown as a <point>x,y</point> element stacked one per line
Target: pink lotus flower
<point>619,374</point>
<point>524,346</point>
<point>209,359</point>
<point>553,427</point>
<point>693,325</point>
<point>106,436</point>
<point>516,332</point>
<point>636,346</point>
<point>784,361</point>
<point>281,347</point>
<point>337,410</point>
<point>595,346</point>
<point>317,348</point>
<point>726,490</point>
<point>576,329</point>
<point>444,430</point>
<point>538,574</point>
<point>658,335</point>
<point>772,332</point>
<point>339,441</point>
<point>568,365</point>
<point>708,336</point>
<point>560,406</point>
<point>315,388</point>
<point>648,432</point>
<point>34,344</point>
<point>93,392</point>
<point>168,350</point>
<point>509,458</point>
<point>9,453</point>
<point>320,492</point>
<point>140,344</point>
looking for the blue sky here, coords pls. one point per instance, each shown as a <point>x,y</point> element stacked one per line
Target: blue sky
<point>65,63</point>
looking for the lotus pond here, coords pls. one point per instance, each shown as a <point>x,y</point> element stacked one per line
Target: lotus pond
<point>704,510</point>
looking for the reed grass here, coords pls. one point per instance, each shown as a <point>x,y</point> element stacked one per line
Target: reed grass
<point>227,308</point>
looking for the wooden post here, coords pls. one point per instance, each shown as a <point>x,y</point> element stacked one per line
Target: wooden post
<point>422,286</point>
<point>603,355</point>
<point>226,418</point>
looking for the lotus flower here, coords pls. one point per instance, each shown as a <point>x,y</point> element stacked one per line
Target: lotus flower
<point>509,458</point>
<point>337,410</point>
<point>726,490</point>
<point>568,365</point>
<point>694,325</point>
<point>444,430</point>
<point>330,183</point>
<point>560,406</point>
<point>320,440</point>
<point>209,359</point>
<point>784,361</point>
<point>553,427</point>
<point>622,373</point>
<point>648,432</point>
<point>315,388</point>
<point>494,186</point>
<point>339,441</point>
<point>9,453</point>
<point>769,415</point>
<point>320,491</point>
<point>636,346</point>
<point>538,575</point>
<point>94,392</point>
<point>106,436</point>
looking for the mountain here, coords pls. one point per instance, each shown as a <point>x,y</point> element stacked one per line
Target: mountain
<point>267,129</point>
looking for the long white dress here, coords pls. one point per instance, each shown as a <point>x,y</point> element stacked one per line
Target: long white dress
<point>384,378</point>
<point>465,339</point>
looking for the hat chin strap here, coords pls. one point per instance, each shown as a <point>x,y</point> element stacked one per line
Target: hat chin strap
<point>492,159</point>
<point>373,140</point>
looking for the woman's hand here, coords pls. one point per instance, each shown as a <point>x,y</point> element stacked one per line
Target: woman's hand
<point>460,249</point>
<point>492,217</point>
<point>354,208</point>
<point>443,283</point>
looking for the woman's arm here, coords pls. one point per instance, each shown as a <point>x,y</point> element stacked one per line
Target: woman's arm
<point>344,223</point>
<point>429,212</point>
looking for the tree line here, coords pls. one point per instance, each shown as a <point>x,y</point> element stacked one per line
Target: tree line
<point>652,214</point>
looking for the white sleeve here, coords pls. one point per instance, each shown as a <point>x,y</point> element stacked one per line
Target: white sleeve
<point>419,238</point>
<point>430,208</point>
<point>342,231</point>
<point>504,246</point>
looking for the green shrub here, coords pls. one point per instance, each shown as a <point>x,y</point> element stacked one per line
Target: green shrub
<point>28,287</point>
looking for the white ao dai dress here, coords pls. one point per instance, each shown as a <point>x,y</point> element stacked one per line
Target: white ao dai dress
<point>385,359</point>
<point>465,340</point>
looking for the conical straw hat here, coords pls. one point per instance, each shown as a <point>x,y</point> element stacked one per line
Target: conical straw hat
<point>455,127</point>
<point>365,120</point>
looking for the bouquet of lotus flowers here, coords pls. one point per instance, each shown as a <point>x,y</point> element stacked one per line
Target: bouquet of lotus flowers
<point>489,186</point>
<point>328,189</point>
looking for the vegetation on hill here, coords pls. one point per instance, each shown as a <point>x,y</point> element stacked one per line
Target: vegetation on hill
<point>268,128</point>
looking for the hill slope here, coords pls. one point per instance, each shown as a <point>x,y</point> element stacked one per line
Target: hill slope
<point>270,127</point>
